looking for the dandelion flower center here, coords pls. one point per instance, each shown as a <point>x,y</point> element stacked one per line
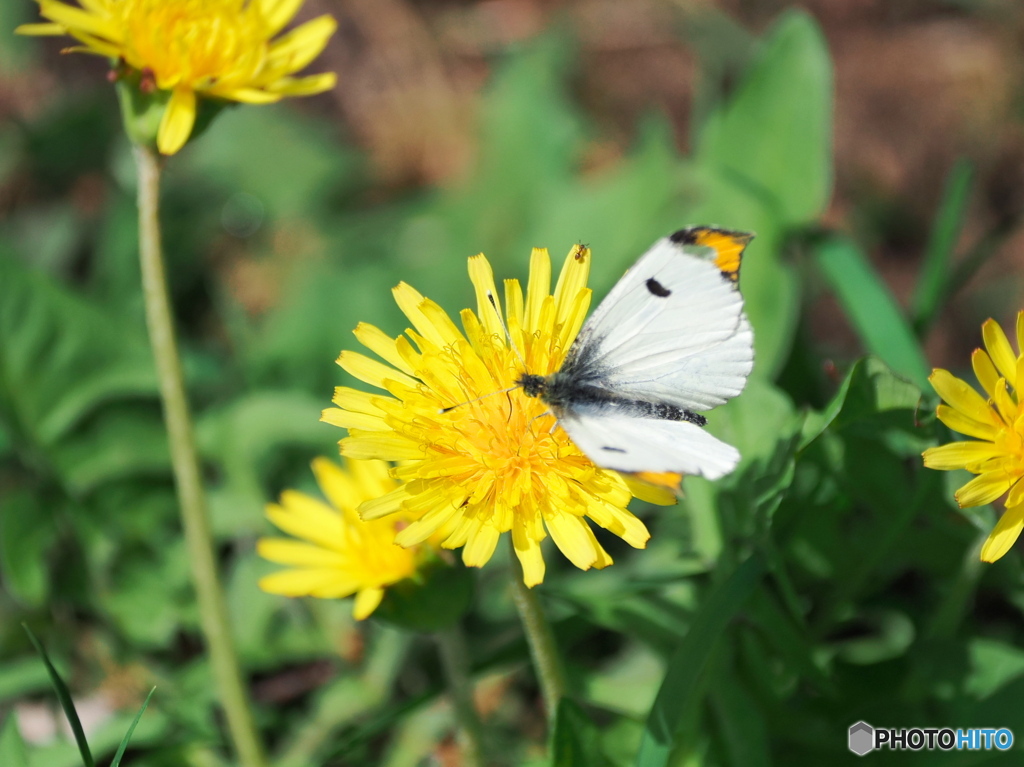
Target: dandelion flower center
<point>198,42</point>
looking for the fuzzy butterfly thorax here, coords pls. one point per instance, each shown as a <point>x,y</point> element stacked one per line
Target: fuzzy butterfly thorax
<point>565,395</point>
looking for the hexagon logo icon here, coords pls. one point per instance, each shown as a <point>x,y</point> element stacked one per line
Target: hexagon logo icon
<point>861,738</point>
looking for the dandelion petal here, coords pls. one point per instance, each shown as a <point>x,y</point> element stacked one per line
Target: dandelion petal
<point>1004,535</point>
<point>176,124</point>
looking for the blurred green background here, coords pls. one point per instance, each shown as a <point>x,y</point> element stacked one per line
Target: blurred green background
<point>877,150</point>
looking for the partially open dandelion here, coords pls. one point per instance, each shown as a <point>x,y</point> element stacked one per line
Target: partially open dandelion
<point>340,554</point>
<point>495,463</point>
<point>996,422</point>
<point>223,49</point>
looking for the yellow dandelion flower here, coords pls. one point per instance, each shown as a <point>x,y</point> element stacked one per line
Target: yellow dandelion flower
<point>996,421</point>
<point>340,554</point>
<point>224,49</point>
<point>496,463</point>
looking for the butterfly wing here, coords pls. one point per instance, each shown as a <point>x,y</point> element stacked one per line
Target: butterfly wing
<point>673,328</point>
<point>630,444</point>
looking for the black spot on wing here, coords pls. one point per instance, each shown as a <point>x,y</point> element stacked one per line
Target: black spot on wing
<point>613,449</point>
<point>657,289</point>
<point>684,236</point>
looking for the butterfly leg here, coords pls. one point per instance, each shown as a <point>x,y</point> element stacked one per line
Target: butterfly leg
<point>541,415</point>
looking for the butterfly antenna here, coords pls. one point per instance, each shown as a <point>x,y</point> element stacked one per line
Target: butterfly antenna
<point>450,408</point>
<point>497,311</point>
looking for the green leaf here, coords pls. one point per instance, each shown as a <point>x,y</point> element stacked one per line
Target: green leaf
<point>677,690</point>
<point>244,438</point>
<point>300,163</point>
<point>128,440</point>
<point>789,639</point>
<point>66,703</point>
<point>21,676</point>
<point>27,532</point>
<point>529,133</point>
<point>61,358</point>
<point>881,635</point>
<point>994,663</point>
<point>871,308</point>
<point>435,599</point>
<point>740,508</point>
<point>17,52</point>
<point>128,735</point>
<point>755,420</point>
<point>875,390</point>
<point>741,725</point>
<point>150,596</point>
<point>633,608</point>
<point>644,190</point>
<point>628,682</point>
<point>776,132</point>
<point>933,284</point>
<point>575,738</point>
<point>12,747</point>
<point>870,391</point>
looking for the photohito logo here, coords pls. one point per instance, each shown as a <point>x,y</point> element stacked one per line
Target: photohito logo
<point>863,738</point>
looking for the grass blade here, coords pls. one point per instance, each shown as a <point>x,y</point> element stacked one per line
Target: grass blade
<point>933,284</point>
<point>574,740</point>
<point>979,254</point>
<point>689,660</point>
<point>131,729</point>
<point>64,696</point>
<point>871,308</point>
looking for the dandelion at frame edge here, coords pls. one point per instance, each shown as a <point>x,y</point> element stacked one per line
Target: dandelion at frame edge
<point>339,554</point>
<point>996,454</point>
<point>495,464</point>
<point>224,49</point>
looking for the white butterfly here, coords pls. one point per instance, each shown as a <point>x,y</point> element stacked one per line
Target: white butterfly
<point>669,341</point>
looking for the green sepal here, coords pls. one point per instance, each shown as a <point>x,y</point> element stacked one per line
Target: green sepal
<point>435,598</point>
<point>142,109</point>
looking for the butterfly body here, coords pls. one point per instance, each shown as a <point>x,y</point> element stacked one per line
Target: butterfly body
<point>670,340</point>
<point>567,396</point>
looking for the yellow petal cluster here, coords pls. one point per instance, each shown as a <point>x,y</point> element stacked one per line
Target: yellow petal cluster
<point>339,554</point>
<point>225,49</point>
<point>996,422</point>
<point>474,452</point>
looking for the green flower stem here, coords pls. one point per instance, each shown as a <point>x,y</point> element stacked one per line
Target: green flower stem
<point>546,660</point>
<point>452,645</point>
<point>188,480</point>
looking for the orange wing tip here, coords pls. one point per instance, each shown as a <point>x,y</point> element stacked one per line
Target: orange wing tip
<point>728,246</point>
<point>666,479</point>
